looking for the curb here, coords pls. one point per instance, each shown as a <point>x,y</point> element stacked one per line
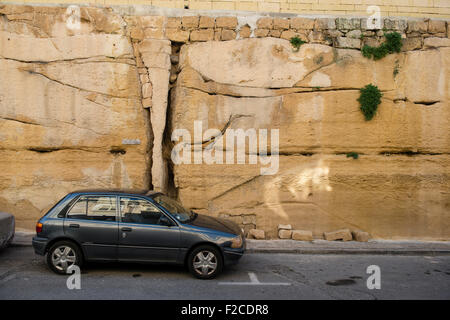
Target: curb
<point>405,252</point>
<point>22,239</point>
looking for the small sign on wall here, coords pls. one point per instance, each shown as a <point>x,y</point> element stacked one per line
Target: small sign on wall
<point>131,141</point>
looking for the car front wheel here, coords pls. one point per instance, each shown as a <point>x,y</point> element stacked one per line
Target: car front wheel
<point>62,255</point>
<point>205,262</point>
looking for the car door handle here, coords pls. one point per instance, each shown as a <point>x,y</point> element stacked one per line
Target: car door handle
<point>74,225</point>
<point>126,229</point>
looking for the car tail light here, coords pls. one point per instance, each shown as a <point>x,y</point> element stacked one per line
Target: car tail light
<point>38,227</point>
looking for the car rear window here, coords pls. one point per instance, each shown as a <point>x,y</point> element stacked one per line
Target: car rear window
<point>100,208</point>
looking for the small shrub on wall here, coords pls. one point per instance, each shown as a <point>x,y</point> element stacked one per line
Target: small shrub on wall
<point>369,99</point>
<point>392,44</point>
<point>296,42</point>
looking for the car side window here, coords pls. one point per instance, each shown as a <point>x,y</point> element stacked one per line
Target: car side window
<point>136,210</point>
<point>99,208</point>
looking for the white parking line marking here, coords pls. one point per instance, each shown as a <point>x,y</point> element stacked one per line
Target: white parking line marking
<point>253,277</point>
<point>255,282</point>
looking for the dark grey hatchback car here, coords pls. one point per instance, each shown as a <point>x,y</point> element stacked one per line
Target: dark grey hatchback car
<point>135,226</point>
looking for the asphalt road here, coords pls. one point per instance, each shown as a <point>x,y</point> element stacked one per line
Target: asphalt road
<point>24,275</point>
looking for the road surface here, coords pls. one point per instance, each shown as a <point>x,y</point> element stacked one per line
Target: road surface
<point>24,275</point>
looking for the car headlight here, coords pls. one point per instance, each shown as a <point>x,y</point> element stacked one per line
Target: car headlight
<point>236,242</point>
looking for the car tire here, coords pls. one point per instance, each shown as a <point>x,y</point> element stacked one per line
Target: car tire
<point>205,262</point>
<point>62,255</point>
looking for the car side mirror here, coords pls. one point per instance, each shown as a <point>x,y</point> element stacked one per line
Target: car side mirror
<point>164,221</point>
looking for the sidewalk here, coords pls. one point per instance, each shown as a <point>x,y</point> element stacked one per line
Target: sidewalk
<point>390,247</point>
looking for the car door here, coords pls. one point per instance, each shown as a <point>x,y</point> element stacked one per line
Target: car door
<point>146,233</point>
<point>93,221</point>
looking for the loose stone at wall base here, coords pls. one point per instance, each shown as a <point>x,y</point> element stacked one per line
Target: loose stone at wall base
<point>284,234</point>
<point>302,235</point>
<point>256,234</point>
<point>344,235</point>
<point>360,236</point>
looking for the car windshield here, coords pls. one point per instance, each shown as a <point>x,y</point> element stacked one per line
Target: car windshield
<point>174,207</point>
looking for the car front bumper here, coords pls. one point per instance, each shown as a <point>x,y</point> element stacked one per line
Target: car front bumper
<point>232,255</point>
<point>39,245</point>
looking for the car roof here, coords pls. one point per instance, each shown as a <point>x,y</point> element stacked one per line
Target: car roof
<point>140,192</point>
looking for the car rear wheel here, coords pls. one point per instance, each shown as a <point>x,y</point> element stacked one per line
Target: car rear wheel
<point>205,262</point>
<point>62,255</point>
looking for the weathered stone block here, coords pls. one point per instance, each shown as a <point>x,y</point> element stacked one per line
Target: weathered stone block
<point>202,35</point>
<point>434,42</point>
<point>265,23</point>
<point>355,34</point>
<point>348,23</point>
<point>154,33</point>
<point>228,34</point>
<point>412,43</point>
<point>256,234</point>
<point>324,24</point>
<point>302,235</point>
<point>245,32</point>
<point>360,236</point>
<point>155,46</point>
<point>345,42</point>
<point>302,23</point>
<point>285,234</point>
<point>152,21</point>
<point>275,33</point>
<point>284,227</point>
<point>344,235</point>
<point>261,33</point>
<point>177,35</point>
<point>156,60</point>
<point>395,24</point>
<point>281,24</point>
<point>173,22</point>
<point>226,22</point>
<point>436,26</point>
<point>288,34</point>
<point>189,22</point>
<point>420,26</point>
<point>206,22</point>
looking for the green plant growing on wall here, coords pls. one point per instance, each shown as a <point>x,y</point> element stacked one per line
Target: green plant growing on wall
<point>296,42</point>
<point>369,99</point>
<point>353,155</point>
<point>392,44</point>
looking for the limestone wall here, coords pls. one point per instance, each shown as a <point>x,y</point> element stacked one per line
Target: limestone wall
<point>72,101</point>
